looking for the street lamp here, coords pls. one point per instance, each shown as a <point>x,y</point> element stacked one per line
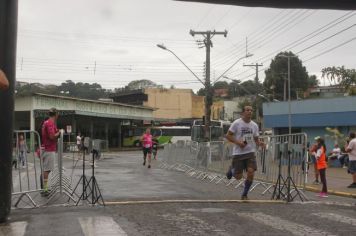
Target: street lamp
<point>165,48</point>
<point>207,93</point>
<point>289,103</point>
<point>222,75</point>
<point>269,100</point>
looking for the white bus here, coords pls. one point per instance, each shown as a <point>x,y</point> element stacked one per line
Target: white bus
<point>218,130</point>
<point>164,134</point>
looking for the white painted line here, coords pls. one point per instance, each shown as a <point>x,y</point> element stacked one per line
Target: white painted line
<point>100,226</point>
<point>190,224</point>
<point>284,225</point>
<point>193,201</point>
<point>325,203</point>
<point>13,229</point>
<point>337,218</point>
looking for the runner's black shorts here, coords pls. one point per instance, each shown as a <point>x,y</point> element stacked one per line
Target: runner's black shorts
<point>244,161</point>
<point>147,150</point>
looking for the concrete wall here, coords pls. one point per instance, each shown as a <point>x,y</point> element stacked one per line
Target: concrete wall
<point>23,103</point>
<point>217,109</point>
<point>198,107</point>
<point>174,103</point>
<point>232,111</point>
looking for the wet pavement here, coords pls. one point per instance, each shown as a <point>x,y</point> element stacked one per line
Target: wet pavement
<point>127,185</point>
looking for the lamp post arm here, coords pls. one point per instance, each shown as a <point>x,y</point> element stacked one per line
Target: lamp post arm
<point>186,66</point>
<point>221,76</point>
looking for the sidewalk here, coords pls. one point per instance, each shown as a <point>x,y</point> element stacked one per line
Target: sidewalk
<point>337,180</point>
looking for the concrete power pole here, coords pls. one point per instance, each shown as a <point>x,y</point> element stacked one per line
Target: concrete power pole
<point>208,89</point>
<point>257,66</point>
<point>256,81</point>
<point>8,33</point>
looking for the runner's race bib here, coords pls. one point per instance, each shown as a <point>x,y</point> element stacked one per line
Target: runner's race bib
<point>147,145</point>
<point>248,138</point>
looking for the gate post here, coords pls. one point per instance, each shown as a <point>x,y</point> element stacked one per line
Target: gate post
<point>8,40</point>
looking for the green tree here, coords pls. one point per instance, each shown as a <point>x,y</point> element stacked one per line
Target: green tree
<point>340,76</point>
<point>313,81</point>
<point>277,73</point>
<point>82,90</point>
<point>140,84</point>
<point>201,92</point>
<point>221,85</point>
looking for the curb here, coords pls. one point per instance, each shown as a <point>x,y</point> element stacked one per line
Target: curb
<point>332,192</point>
<point>192,201</point>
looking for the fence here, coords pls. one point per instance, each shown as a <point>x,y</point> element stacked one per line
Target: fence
<point>59,182</point>
<point>285,157</point>
<point>98,144</point>
<point>27,182</point>
<point>26,176</point>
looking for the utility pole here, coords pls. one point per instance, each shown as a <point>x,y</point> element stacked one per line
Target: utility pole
<point>289,101</point>
<point>257,85</point>
<point>208,35</point>
<point>257,66</point>
<point>8,40</point>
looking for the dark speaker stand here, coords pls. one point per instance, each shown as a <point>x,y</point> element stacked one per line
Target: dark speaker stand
<point>286,183</point>
<point>278,187</point>
<point>94,187</point>
<point>83,179</point>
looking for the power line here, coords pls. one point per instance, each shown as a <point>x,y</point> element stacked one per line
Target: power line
<point>331,49</point>
<point>236,23</point>
<point>327,38</point>
<point>315,33</point>
<point>266,27</point>
<point>309,36</point>
<point>269,39</point>
<point>272,32</point>
<point>102,36</point>
<point>315,56</point>
<point>206,15</point>
<point>223,16</point>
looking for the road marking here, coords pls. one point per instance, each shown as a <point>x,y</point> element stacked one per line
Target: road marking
<point>284,225</point>
<point>13,229</point>
<point>193,201</point>
<point>337,218</point>
<point>192,225</point>
<point>325,203</point>
<point>101,225</point>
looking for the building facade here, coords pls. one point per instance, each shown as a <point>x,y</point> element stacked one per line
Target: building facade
<point>95,119</point>
<point>176,105</point>
<point>312,116</point>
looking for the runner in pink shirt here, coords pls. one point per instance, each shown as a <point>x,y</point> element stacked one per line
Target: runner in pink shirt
<point>147,144</point>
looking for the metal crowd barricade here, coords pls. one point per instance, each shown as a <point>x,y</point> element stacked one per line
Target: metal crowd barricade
<point>211,160</point>
<point>27,168</point>
<point>59,182</point>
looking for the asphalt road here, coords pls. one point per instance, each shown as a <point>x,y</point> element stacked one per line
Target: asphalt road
<point>127,185</point>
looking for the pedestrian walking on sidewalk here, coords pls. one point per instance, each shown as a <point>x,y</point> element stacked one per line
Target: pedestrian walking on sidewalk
<point>321,164</point>
<point>147,144</point>
<point>244,134</point>
<point>22,149</point>
<point>312,151</point>
<point>351,150</point>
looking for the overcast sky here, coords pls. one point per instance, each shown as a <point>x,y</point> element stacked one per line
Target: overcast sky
<point>113,42</point>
